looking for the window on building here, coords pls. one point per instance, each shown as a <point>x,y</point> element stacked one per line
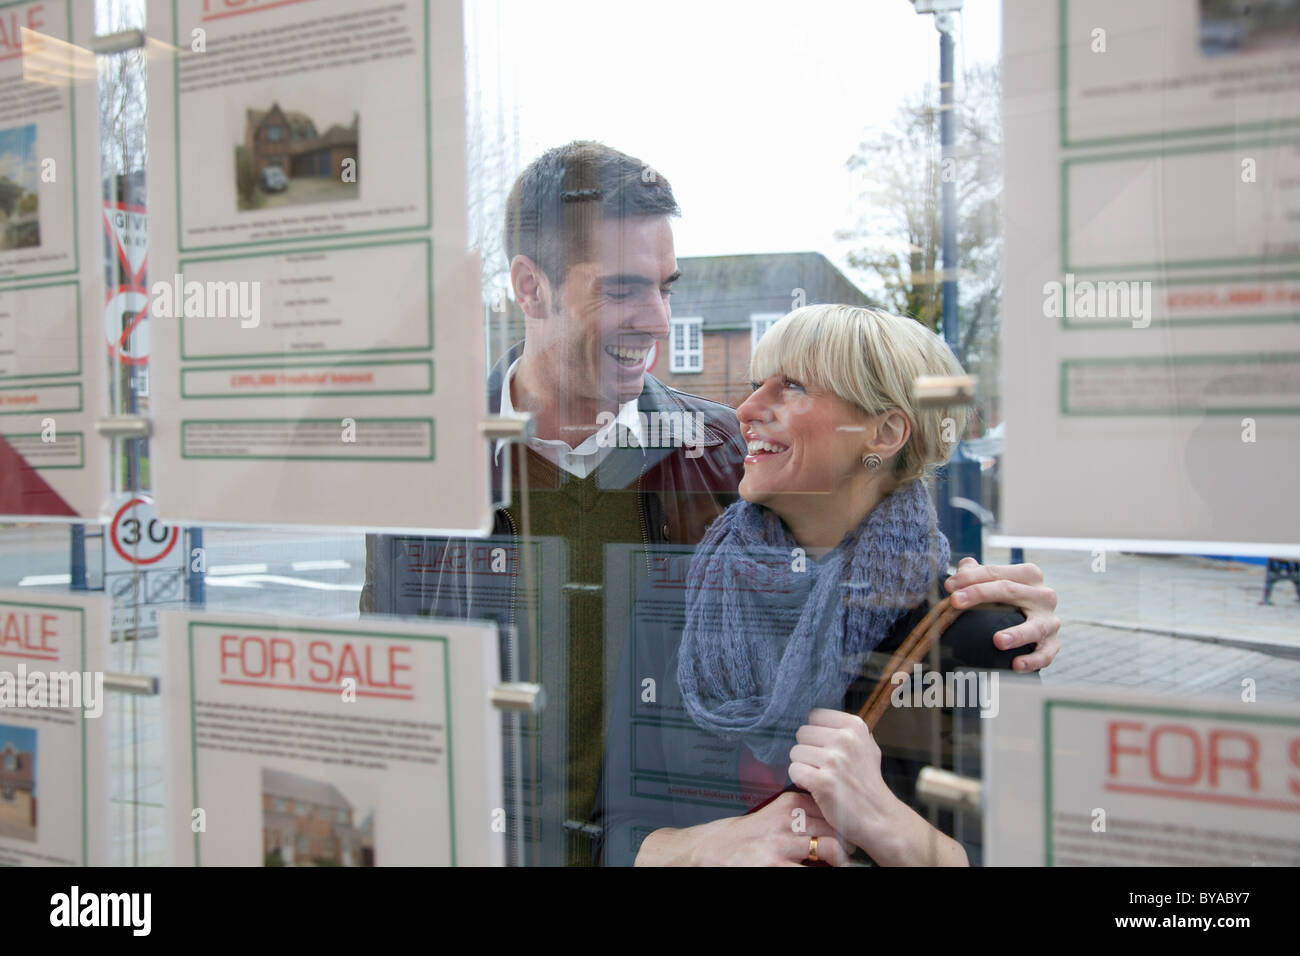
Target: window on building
<point>11,760</point>
<point>301,808</point>
<point>7,794</point>
<point>274,134</point>
<point>280,805</point>
<point>341,815</point>
<point>760,322</point>
<point>686,339</point>
<point>303,845</point>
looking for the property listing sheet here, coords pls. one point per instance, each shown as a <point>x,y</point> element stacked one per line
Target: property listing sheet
<point>315,307</point>
<point>1151,288</point>
<point>410,575</point>
<point>293,742</point>
<point>53,466</point>
<point>54,737</point>
<point>1078,777</point>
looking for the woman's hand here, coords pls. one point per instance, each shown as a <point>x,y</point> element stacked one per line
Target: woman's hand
<point>837,761</point>
<point>780,834</point>
<point>1020,585</point>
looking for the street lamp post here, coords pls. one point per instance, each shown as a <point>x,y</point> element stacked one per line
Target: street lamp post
<point>943,11</point>
<point>961,479</point>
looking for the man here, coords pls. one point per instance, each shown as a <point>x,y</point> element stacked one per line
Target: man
<point>592,267</point>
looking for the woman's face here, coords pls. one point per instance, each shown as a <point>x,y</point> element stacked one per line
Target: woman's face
<point>804,444</point>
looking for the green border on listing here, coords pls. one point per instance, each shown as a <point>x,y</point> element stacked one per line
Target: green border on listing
<point>1163,361</point>
<point>1209,320</point>
<point>419,363</point>
<point>428,279</point>
<point>432,456</point>
<point>1063,85</point>
<point>81,724</point>
<point>428,153</point>
<point>383,635</point>
<point>76,287</point>
<point>1123,709</point>
<point>72,144</point>
<point>45,411</point>
<point>81,449</point>
<point>1166,263</point>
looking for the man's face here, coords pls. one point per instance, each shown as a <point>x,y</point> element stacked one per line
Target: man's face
<point>609,310</point>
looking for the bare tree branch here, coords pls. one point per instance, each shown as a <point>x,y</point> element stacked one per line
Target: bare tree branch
<point>897,235</point>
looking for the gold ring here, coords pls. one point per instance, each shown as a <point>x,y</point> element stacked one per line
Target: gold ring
<point>812,849</point>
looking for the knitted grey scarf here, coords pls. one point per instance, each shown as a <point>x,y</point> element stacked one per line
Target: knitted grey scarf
<point>769,637</point>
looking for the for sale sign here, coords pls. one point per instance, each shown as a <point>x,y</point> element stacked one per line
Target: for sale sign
<point>1122,780</point>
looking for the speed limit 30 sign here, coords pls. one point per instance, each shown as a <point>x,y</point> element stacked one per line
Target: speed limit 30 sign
<point>138,536</point>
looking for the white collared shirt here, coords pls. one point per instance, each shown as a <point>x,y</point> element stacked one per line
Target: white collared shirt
<point>583,460</point>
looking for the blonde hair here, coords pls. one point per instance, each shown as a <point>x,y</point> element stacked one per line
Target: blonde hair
<point>871,359</point>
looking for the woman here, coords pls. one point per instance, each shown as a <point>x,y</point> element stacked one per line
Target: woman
<point>830,555</point>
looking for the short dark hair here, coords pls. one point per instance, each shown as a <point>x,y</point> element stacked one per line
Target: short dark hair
<point>557,201</point>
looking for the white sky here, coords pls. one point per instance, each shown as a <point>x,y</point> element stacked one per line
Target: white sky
<point>749,107</point>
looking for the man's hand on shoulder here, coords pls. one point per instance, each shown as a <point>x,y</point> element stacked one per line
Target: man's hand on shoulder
<point>1020,585</point>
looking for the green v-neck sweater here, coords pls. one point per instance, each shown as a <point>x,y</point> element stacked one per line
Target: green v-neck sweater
<point>587,514</point>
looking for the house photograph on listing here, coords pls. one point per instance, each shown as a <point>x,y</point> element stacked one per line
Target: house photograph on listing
<point>308,822</point>
<point>17,782</point>
<point>284,160</point>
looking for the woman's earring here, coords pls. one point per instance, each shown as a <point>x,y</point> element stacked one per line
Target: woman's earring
<point>871,462</point>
